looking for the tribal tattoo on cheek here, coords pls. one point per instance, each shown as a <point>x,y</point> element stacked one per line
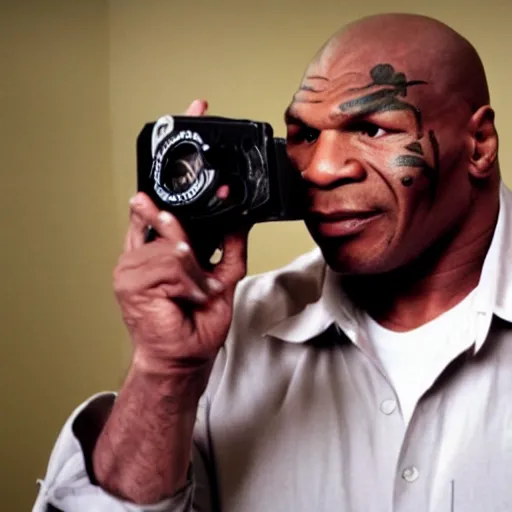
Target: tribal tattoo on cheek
<point>431,172</point>
<point>390,87</point>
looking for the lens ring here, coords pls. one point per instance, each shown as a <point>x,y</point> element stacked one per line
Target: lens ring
<point>184,175</point>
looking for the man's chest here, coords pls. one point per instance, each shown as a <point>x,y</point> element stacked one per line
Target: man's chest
<point>325,433</point>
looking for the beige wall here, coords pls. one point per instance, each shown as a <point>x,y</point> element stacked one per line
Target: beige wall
<point>60,334</point>
<point>77,82</point>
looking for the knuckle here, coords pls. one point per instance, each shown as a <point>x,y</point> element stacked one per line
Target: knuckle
<point>120,288</point>
<point>120,285</point>
<point>119,277</point>
<point>117,273</point>
<point>167,259</point>
<point>162,253</point>
<point>182,288</point>
<point>185,259</point>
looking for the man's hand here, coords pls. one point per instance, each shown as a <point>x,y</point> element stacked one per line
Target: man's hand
<point>178,316</point>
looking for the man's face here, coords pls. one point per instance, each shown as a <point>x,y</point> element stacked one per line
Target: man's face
<point>383,163</point>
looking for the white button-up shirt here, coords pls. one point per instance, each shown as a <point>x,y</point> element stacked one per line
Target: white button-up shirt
<point>298,415</point>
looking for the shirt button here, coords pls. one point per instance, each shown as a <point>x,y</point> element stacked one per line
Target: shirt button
<point>410,474</point>
<point>388,406</point>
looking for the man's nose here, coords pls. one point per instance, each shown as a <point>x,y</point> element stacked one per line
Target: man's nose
<point>334,163</point>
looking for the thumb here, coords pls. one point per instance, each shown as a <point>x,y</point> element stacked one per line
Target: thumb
<point>233,265</point>
<point>197,108</point>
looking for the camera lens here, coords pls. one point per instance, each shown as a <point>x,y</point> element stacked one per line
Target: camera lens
<point>182,167</point>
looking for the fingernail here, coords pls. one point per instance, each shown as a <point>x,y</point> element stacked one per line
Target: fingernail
<point>199,296</point>
<point>165,217</point>
<point>214,285</point>
<point>182,247</point>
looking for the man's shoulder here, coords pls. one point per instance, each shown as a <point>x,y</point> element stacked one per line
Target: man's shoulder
<point>264,299</point>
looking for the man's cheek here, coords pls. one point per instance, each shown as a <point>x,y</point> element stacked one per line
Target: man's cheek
<point>417,163</point>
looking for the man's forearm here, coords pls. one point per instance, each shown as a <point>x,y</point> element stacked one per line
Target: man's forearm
<point>143,452</point>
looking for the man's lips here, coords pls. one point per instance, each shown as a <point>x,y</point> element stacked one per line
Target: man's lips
<point>342,222</point>
<point>343,214</point>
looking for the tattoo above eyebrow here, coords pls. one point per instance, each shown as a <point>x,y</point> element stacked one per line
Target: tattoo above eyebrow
<point>369,99</point>
<point>385,74</point>
<point>386,99</point>
<point>383,101</point>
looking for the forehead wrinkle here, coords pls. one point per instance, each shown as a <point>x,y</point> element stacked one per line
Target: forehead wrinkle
<point>304,112</point>
<point>327,81</point>
<point>331,90</point>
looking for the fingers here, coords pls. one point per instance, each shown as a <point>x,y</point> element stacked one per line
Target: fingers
<point>142,213</point>
<point>166,268</point>
<point>226,274</point>
<point>135,236</point>
<point>197,108</point>
<point>163,274</point>
<point>170,229</point>
<point>233,265</point>
<point>176,245</point>
<point>168,264</point>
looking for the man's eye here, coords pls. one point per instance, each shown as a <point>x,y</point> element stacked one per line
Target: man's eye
<point>370,130</point>
<point>304,134</point>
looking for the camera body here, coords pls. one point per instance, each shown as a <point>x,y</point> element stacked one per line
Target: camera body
<point>183,162</point>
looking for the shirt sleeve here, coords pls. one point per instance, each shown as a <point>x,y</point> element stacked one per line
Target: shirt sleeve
<point>68,487</point>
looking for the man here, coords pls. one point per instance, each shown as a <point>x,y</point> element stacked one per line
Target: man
<point>373,374</point>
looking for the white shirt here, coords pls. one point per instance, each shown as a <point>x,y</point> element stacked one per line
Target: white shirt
<point>412,360</point>
<point>298,415</point>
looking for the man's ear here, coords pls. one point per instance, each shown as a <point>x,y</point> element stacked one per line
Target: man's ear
<point>483,143</point>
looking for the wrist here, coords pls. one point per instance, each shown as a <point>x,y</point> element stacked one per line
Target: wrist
<point>157,366</point>
<point>180,385</point>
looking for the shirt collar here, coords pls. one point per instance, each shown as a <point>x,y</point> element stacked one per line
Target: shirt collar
<point>332,307</point>
<point>494,292</point>
<point>311,321</point>
<point>493,297</point>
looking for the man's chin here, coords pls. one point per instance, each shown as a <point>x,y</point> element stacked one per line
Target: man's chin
<point>350,260</point>
<point>365,253</point>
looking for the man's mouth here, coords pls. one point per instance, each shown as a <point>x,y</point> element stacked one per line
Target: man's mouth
<point>342,222</point>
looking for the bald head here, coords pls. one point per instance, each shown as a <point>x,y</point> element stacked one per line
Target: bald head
<point>421,47</point>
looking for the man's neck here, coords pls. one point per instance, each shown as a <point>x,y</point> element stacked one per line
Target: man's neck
<point>411,296</point>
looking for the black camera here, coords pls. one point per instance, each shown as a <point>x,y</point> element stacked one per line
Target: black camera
<point>216,174</point>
